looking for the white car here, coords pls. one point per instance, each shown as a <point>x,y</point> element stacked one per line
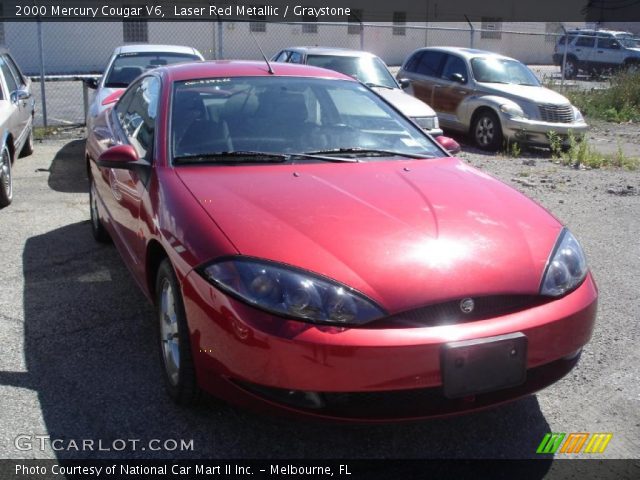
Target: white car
<point>128,62</point>
<point>370,70</point>
<point>17,108</point>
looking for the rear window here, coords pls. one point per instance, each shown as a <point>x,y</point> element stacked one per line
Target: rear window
<point>129,66</point>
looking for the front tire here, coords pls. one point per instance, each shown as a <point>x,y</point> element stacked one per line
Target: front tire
<point>487,131</point>
<point>6,179</point>
<point>570,69</point>
<point>175,345</point>
<point>27,149</point>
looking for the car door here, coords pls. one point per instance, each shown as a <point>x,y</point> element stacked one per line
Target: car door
<point>134,120</point>
<point>584,47</point>
<point>451,89</point>
<point>424,70</point>
<point>15,109</point>
<point>608,52</point>
<point>27,105</point>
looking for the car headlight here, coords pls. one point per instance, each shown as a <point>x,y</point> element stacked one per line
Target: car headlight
<point>512,110</point>
<point>566,268</point>
<point>577,115</point>
<point>427,123</point>
<point>290,292</point>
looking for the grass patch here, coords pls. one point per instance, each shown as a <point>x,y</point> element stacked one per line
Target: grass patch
<point>40,133</point>
<point>618,103</point>
<point>581,153</point>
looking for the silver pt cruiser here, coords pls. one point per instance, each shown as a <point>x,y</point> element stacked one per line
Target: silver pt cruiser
<point>492,97</point>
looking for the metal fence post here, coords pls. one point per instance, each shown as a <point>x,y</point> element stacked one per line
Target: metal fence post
<point>471,32</point>
<point>361,36</point>
<point>85,99</point>
<point>220,52</point>
<point>42,87</point>
<point>564,55</point>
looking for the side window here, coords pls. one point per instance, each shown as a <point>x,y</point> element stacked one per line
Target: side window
<point>12,85</point>
<point>588,42</point>
<point>137,115</point>
<point>16,71</point>
<point>608,43</point>
<point>430,64</point>
<point>283,56</point>
<point>412,63</point>
<point>295,57</point>
<point>454,65</point>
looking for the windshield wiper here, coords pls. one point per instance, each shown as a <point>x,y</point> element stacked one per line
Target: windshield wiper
<point>368,152</point>
<point>377,85</point>
<point>237,156</point>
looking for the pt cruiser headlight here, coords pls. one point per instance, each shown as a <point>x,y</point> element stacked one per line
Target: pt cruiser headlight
<point>512,110</point>
<point>427,123</point>
<point>566,268</point>
<point>577,116</point>
<point>290,292</point>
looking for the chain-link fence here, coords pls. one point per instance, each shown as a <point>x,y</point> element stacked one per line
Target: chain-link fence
<point>63,53</point>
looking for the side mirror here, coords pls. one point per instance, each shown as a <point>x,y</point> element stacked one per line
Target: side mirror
<point>92,83</point>
<point>449,144</point>
<point>457,77</point>
<point>18,95</point>
<point>119,156</point>
<point>404,83</point>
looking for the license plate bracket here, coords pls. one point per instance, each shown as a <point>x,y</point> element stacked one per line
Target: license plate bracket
<point>483,365</point>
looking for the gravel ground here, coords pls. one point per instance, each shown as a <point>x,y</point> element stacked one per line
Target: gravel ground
<point>78,348</point>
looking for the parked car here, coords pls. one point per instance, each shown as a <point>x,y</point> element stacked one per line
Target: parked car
<point>17,109</point>
<point>311,250</point>
<point>130,61</point>
<point>492,97</point>
<point>371,71</point>
<point>596,51</point>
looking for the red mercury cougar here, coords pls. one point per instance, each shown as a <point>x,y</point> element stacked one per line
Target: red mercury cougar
<point>311,250</point>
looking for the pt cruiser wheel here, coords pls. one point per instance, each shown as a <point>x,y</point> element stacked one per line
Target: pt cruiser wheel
<point>487,131</point>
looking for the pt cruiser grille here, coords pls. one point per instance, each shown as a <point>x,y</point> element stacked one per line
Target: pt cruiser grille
<point>556,113</point>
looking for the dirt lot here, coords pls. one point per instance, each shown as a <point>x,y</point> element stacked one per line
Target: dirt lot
<point>79,357</point>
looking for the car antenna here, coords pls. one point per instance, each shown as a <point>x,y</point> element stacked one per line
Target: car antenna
<point>263,55</point>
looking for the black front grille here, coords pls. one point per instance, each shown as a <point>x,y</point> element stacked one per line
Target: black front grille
<point>556,113</point>
<point>450,313</point>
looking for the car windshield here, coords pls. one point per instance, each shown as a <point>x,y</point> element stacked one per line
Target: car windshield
<point>369,70</point>
<point>502,70</point>
<point>274,119</point>
<point>128,66</point>
<point>628,41</point>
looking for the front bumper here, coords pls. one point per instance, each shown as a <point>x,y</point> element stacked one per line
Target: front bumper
<point>241,354</point>
<point>535,132</point>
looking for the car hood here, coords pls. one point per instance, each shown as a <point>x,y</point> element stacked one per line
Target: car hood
<point>525,92</point>
<point>404,233</point>
<point>407,104</point>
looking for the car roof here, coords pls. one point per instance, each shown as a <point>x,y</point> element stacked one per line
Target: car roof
<point>139,48</point>
<point>240,68</point>
<point>467,53</point>
<point>591,31</point>
<point>334,51</point>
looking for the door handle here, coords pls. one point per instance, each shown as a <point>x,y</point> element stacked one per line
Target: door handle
<point>600,51</point>
<point>578,50</point>
<point>462,92</point>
